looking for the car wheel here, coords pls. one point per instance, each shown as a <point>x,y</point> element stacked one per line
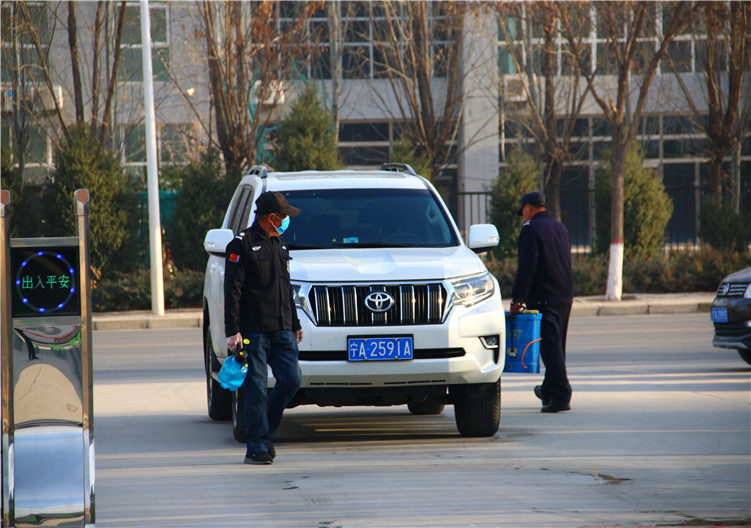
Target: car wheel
<point>426,407</point>
<point>477,409</point>
<point>238,415</point>
<point>745,355</point>
<point>218,399</point>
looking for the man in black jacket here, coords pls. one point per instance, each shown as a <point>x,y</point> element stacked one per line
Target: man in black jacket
<point>545,282</point>
<point>259,306</point>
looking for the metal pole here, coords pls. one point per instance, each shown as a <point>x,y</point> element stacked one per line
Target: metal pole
<point>87,364</point>
<point>6,382</point>
<point>155,230</point>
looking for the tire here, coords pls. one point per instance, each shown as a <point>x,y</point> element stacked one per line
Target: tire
<point>426,407</point>
<point>219,400</point>
<point>238,415</point>
<point>745,355</point>
<point>477,409</point>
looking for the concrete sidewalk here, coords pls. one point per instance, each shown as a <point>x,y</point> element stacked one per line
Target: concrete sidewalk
<point>632,304</point>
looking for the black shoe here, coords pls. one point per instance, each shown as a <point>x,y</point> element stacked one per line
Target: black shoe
<point>259,459</point>
<point>555,406</point>
<point>538,393</point>
<point>272,451</point>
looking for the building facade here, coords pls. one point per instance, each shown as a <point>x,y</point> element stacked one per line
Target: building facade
<point>498,48</point>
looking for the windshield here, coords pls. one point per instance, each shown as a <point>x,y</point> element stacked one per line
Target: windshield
<point>336,218</point>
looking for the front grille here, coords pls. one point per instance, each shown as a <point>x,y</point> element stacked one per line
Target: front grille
<point>414,304</point>
<point>731,330</point>
<point>727,289</point>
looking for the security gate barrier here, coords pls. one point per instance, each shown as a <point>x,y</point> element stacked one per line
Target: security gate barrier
<point>47,403</point>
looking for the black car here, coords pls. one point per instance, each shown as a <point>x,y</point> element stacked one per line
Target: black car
<point>731,313</point>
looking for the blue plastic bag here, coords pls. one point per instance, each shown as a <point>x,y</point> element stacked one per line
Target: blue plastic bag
<point>234,369</point>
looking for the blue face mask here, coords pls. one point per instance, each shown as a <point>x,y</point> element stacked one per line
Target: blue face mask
<point>283,226</point>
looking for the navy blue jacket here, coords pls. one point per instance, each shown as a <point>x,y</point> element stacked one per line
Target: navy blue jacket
<point>544,274</point>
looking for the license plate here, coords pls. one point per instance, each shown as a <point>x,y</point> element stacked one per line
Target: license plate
<point>380,348</point>
<point>719,315</point>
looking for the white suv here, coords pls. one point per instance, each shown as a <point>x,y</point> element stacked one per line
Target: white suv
<point>395,308</point>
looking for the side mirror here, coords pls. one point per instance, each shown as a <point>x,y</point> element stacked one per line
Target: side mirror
<point>216,241</point>
<point>483,237</point>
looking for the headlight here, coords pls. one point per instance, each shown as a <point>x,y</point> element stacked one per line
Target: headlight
<point>747,293</point>
<point>296,295</point>
<point>472,290</point>
<point>300,296</point>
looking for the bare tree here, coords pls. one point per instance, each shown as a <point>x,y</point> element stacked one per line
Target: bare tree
<point>625,24</point>
<point>35,29</point>
<point>724,54</point>
<point>404,38</point>
<point>554,102</point>
<point>250,54</point>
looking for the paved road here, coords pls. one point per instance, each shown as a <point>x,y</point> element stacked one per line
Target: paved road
<point>659,434</point>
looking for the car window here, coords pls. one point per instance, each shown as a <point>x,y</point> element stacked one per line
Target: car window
<point>240,209</point>
<point>334,218</point>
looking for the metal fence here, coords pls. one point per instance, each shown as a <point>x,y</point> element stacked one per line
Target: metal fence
<point>577,214</point>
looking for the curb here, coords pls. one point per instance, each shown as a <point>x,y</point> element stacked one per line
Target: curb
<point>635,304</point>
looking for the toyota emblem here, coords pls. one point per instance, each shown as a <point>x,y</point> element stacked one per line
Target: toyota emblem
<point>379,301</point>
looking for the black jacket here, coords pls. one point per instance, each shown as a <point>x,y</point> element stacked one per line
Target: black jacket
<point>544,274</point>
<point>257,290</point>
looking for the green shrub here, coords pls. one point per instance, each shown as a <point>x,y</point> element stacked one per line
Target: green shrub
<point>403,151</point>
<point>676,272</point>
<point>305,138</point>
<point>646,207</point>
<point>132,291</point>
<point>722,227</point>
<point>83,164</point>
<point>521,176</point>
<point>206,189</point>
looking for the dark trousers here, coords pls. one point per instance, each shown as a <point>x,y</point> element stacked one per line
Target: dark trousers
<point>553,330</point>
<point>263,409</point>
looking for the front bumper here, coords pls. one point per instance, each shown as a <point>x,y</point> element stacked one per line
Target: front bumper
<point>450,353</point>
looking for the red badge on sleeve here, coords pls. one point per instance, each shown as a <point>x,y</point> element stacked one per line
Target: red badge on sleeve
<point>234,257</point>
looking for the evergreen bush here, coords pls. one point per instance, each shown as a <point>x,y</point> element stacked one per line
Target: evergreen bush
<point>82,164</point>
<point>403,151</point>
<point>305,139</point>
<point>132,291</point>
<point>206,189</point>
<point>722,227</point>
<point>646,207</point>
<point>675,272</point>
<point>521,176</point>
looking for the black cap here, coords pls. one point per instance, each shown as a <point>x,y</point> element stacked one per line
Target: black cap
<point>535,198</point>
<point>274,202</point>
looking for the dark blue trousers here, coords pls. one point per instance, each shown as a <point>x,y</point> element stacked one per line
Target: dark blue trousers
<point>553,330</point>
<point>263,409</point>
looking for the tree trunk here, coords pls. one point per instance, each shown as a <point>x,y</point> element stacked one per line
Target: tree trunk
<point>614,290</point>
<point>552,147</point>
<point>74,63</point>
<point>335,55</point>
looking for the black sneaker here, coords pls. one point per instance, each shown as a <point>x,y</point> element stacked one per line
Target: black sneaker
<point>259,459</point>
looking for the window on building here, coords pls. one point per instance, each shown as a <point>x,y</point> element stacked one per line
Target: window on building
<point>131,52</point>
<point>175,142</point>
<point>678,58</point>
<point>13,23</point>
<point>679,180</point>
<point>575,205</point>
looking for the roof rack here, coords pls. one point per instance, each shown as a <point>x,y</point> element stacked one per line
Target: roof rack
<point>258,169</point>
<point>398,167</point>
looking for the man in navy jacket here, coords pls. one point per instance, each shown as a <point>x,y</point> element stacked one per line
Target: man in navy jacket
<point>545,282</point>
